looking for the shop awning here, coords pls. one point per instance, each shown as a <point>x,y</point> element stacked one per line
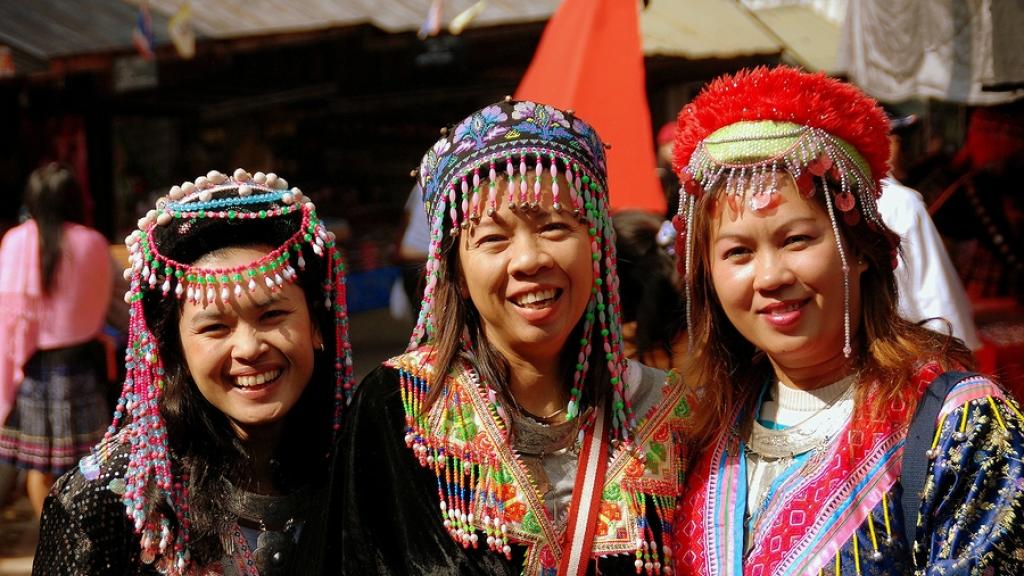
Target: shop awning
<point>698,29</point>
<point>689,29</point>
<point>809,40</point>
<point>238,18</point>
<point>47,29</point>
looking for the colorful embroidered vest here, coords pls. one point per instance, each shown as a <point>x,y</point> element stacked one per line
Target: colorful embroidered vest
<point>488,498</point>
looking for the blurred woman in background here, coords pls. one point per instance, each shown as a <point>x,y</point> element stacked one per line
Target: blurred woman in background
<point>653,321</point>
<point>55,285</point>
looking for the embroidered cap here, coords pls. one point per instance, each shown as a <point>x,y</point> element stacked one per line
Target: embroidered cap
<point>504,139</point>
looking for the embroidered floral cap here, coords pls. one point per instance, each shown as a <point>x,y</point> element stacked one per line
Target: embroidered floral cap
<point>491,157</point>
<point>506,138</point>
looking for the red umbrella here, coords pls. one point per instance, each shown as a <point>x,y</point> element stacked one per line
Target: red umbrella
<point>591,60</point>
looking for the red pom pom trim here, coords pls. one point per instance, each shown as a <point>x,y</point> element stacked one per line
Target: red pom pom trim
<point>788,95</point>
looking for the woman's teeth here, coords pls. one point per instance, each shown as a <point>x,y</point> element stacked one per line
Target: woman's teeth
<point>786,309</point>
<point>257,379</point>
<point>536,299</point>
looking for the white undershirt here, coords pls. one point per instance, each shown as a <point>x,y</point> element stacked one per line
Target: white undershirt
<point>787,407</point>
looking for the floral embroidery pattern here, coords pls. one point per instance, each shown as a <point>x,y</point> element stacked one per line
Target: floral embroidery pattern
<point>589,142</point>
<point>434,163</point>
<point>480,128</point>
<point>541,120</point>
<point>968,517</point>
<point>503,134</point>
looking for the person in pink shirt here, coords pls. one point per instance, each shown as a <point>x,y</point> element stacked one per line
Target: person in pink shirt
<point>55,286</point>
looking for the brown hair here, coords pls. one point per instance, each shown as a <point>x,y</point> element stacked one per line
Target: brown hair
<point>887,349</point>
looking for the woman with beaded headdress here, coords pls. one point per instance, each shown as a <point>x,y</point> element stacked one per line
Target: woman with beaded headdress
<point>238,365</point>
<point>837,437</point>
<point>513,437</point>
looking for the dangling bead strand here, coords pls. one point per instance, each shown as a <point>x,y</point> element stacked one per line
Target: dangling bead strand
<point>538,176</point>
<point>554,185</point>
<point>492,190</point>
<point>523,203</point>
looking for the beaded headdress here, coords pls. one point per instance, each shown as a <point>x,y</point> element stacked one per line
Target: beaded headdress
<point>742,129</point>
<point>489,158</point>
<point>234,200</point>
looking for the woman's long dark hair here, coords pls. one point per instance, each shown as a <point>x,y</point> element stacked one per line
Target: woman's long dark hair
<point>201,438</point>
<point>52,197</point>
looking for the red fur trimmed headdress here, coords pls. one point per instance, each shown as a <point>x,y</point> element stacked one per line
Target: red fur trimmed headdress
<point>787,95</point>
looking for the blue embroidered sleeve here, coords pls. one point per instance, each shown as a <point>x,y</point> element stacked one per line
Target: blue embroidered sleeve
<point>969,522</point>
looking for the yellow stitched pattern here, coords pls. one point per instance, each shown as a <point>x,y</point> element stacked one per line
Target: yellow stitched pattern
<point>995,411</point>
<point>871,530</point>
<point>1009,403</point>
<point>885,514</point>
<point>856,555</point>
<point>938,431</point>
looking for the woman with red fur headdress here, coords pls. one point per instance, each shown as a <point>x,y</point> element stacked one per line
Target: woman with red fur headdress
<point>836,436</point>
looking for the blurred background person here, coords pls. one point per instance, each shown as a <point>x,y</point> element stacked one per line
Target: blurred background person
<point>653,320</point>
<point>55,287</point>
<point>669,181</point>
<point>411,256</point>
<point>985,212</point>
<point>929,287</point>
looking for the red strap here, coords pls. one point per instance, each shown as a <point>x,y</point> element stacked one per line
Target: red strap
<point>586,499</point>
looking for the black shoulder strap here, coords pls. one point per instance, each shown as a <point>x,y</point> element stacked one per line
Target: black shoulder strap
<point>915,451</point>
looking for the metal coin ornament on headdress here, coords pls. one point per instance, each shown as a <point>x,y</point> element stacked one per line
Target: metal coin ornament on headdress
<point>241,197</point>
<point>502,153</point>
<point>744,129</point>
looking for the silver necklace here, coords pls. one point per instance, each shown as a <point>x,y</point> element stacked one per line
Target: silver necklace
<point>811,433</point>
<point>771,452</point>
<point>533,441</point>
<point>277,517</point>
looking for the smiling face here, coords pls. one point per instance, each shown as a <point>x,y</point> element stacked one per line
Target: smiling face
<point>253,357</point>
<point>529,273</point>
<point>778,276</point>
